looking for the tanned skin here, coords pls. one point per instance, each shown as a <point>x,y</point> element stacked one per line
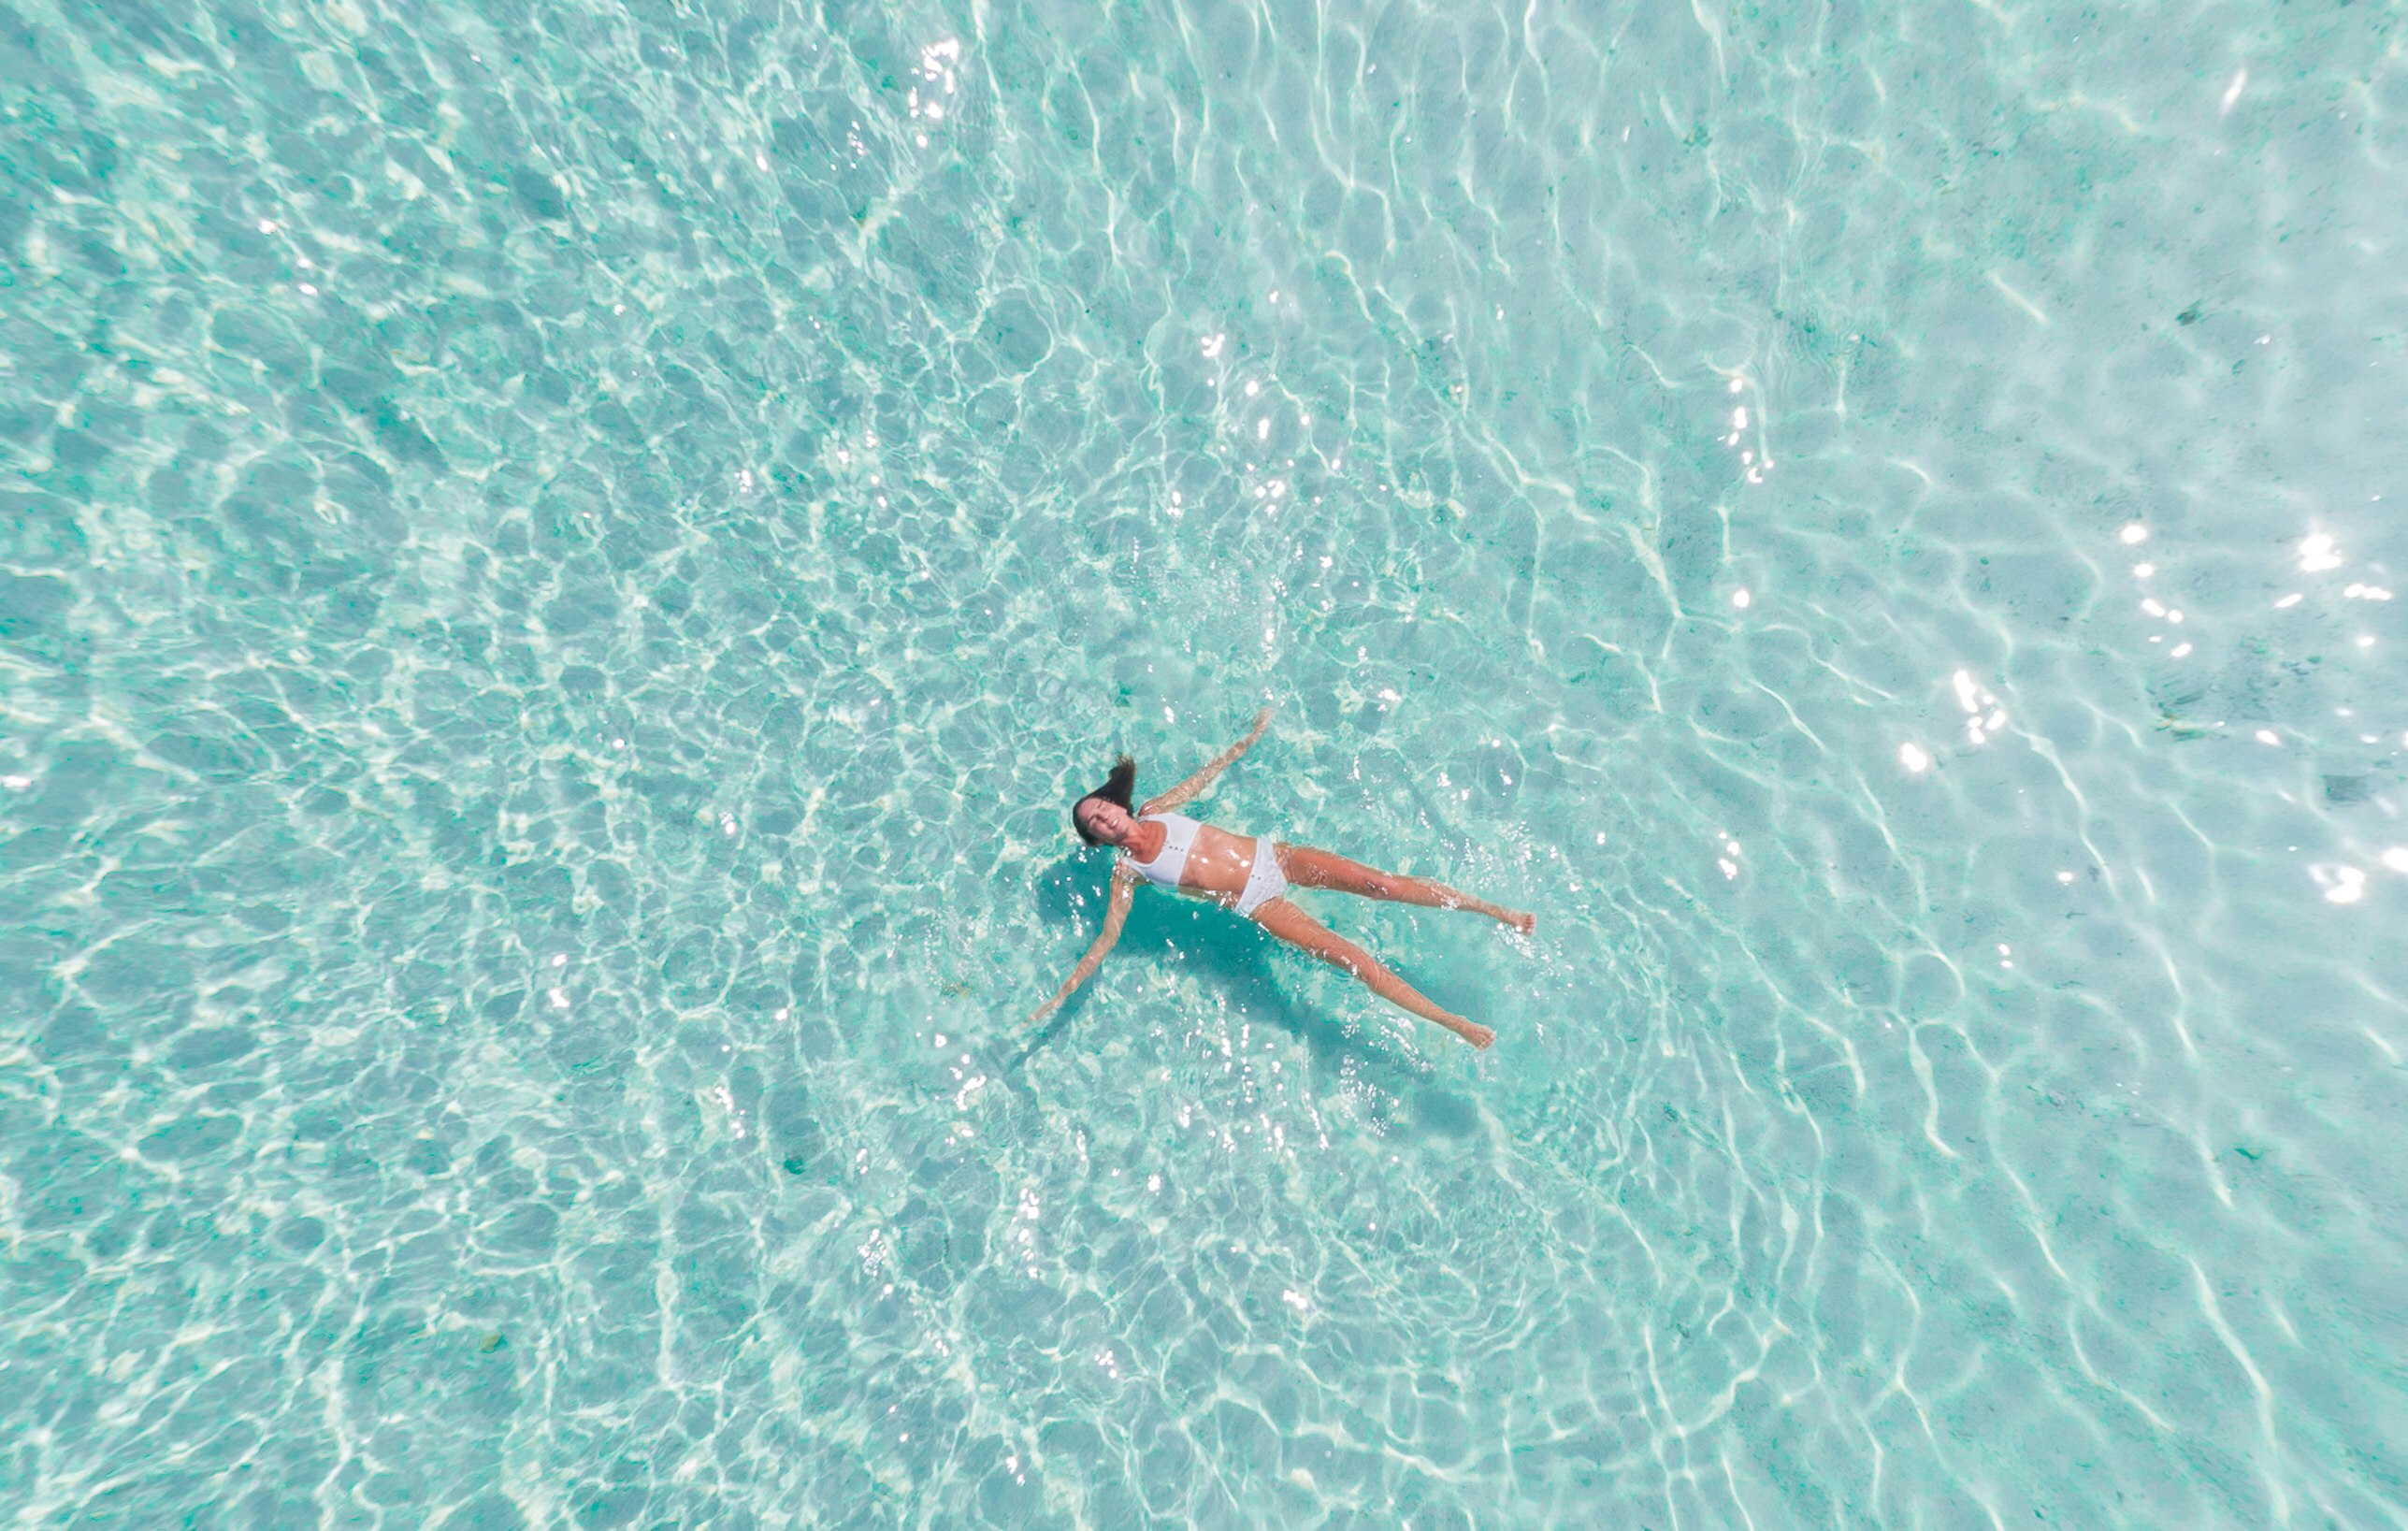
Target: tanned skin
<point>1218,865</point>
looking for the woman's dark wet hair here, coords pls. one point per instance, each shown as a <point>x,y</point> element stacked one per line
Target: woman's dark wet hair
<point>1120,788</point>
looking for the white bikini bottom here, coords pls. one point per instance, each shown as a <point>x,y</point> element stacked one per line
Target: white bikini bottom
<point>1265,882</point>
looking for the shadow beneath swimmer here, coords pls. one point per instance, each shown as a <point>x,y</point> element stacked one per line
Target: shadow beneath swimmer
<point>1230,954</point>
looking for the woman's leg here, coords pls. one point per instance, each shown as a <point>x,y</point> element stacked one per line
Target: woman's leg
<point>1303,932</point>
<point>1309,868</point>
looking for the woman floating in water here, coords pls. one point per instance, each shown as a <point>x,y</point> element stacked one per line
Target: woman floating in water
<point>1251,874</point>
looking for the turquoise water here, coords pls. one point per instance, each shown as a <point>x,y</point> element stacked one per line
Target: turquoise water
<point>561,565</point>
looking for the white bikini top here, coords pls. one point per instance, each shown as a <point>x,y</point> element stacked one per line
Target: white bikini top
<point>1178,833</point>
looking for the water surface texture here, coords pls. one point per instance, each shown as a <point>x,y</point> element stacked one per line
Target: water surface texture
<point>562,562</point>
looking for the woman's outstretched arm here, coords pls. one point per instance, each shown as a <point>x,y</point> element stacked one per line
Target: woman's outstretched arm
<point>1195,785</point>
<point>1116,914</point>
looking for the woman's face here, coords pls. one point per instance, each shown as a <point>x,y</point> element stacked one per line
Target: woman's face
<point>1107,821</point>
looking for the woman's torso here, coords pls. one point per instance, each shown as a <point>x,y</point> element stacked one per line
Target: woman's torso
<point>1217,861</point>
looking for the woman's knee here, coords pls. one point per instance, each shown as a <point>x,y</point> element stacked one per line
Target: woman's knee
<point>1346,956</point>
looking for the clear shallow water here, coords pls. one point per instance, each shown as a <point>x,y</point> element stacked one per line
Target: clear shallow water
<point>561,565</point>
